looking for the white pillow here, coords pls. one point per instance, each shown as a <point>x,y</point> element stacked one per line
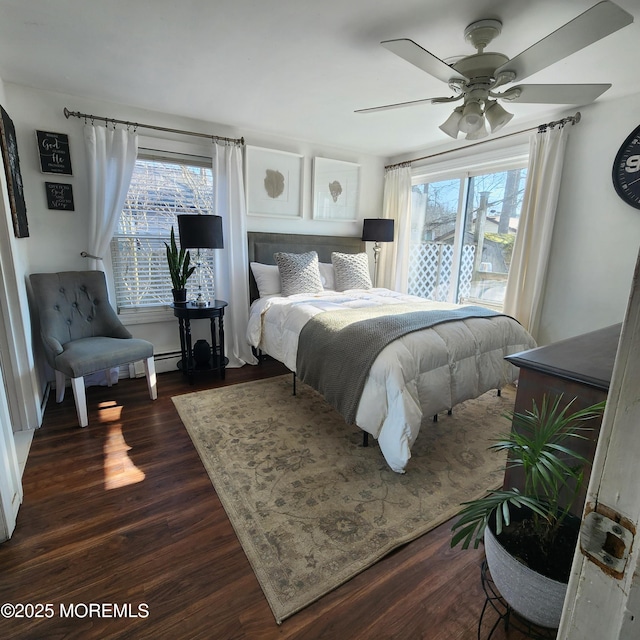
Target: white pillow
<point>327,275</point>
<point>351,271</point>
<point>267,278</point>
<point>299,272</point>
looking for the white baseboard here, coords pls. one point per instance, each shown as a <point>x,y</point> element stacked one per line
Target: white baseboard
<point>23,441</point>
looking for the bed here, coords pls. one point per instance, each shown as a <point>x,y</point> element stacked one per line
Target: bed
<point>412,377</point>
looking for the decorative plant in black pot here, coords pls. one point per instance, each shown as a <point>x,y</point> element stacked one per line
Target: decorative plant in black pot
<point>179,269</point>
<point>529,533</point>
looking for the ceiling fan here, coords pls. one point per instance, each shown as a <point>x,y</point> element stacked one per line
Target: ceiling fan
<point>475,78</point>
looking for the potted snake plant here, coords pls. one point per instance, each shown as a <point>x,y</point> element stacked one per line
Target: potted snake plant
<point>179,269</point>
<point>528,532</point>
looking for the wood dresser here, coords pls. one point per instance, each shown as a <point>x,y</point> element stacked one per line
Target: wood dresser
<point>578,367</point>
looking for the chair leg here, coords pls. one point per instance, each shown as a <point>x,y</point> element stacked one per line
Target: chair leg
<point>60,382</point>
<point>150,372</point>
<point>77,384</point>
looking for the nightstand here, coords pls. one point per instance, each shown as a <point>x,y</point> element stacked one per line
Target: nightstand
<point>201,362</point>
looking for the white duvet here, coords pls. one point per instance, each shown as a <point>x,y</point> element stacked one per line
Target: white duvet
<point>416,376</point>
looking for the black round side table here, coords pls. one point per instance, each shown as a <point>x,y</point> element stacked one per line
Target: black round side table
<point>190,365</point>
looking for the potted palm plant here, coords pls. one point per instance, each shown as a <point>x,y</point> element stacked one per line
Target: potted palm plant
<point>179,269</point>
<point>529,533</point>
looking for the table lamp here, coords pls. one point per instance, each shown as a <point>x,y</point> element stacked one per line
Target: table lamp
<point>200,232</point>
<point>377,230</point>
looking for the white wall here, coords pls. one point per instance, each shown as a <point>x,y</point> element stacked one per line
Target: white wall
<point>596,235</point>
<point>57,237</point>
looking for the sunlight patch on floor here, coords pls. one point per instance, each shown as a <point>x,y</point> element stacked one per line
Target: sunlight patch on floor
<point>109,404</point>
<point>119,469</point>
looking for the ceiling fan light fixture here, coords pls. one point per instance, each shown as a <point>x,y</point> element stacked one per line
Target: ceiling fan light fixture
<point>472,118</point>
<point>451,126</point>
<point>497,116</point>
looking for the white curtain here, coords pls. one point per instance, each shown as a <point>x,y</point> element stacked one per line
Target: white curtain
<point>394,257</point>
<point>111,158</point>
<point>528,269</point>
<point>232,262</point>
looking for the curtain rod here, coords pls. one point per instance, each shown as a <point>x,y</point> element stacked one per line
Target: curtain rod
<point>76,114</point>
<point>540,128</point>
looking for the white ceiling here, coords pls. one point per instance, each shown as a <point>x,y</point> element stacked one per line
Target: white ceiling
<point>295,68</point>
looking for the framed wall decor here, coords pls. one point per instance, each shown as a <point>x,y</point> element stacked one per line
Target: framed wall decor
<point>9,146</point>
<point>59,196</point>
<point>336,188</point>
<point>274,182</point>
<point>54,152</point>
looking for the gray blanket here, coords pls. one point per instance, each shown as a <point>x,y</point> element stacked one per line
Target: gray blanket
<point>337,348</point>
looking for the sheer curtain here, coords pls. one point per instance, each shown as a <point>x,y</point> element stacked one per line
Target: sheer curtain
<point>394,257</point>
<point>528,269</point>
<point>111,158</point>
<point>232,262</point>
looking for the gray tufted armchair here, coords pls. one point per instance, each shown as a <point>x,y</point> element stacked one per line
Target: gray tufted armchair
<point>82,333</point>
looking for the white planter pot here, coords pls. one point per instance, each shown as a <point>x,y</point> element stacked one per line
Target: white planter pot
<point>535,597</point>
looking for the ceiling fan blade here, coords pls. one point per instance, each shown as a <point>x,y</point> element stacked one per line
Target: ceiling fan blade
<point>397,105</point>
<point>559,93</point>
<point>412,52</point>
<point>594,24</point>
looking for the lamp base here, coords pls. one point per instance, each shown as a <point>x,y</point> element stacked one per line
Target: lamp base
<point>200,301</point>
<point>376,254</point>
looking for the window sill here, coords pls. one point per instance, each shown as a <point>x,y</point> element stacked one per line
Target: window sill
<point>146,315</point>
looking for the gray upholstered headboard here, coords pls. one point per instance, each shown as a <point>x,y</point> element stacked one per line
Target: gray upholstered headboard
<point>262,246</point>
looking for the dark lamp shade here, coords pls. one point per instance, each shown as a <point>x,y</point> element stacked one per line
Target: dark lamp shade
<point>200,231</point>
<point>377,230</point>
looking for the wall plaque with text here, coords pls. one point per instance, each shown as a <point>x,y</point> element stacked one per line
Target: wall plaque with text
<point>59,196</point>
<point>54,152</point>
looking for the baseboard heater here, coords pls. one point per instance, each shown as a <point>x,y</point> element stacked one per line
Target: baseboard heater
<point>136,369</point>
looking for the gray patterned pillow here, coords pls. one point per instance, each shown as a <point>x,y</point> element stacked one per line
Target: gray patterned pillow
<point>351,271</point>
<point>299,272</point>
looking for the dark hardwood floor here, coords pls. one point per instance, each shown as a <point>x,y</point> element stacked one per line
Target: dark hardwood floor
<point>123,513</point>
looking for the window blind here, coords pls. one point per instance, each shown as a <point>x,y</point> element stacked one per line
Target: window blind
<point>159,191</point>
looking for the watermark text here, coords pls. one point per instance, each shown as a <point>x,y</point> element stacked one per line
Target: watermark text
<point>74,610</point>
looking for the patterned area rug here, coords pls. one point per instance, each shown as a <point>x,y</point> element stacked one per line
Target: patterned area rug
<point>310,505</point>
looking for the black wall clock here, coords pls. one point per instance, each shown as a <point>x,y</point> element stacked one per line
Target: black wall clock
<point>626,169</point>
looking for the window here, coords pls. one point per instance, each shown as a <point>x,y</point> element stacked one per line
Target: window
<point>463,225</point>
<point>160,190</point>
